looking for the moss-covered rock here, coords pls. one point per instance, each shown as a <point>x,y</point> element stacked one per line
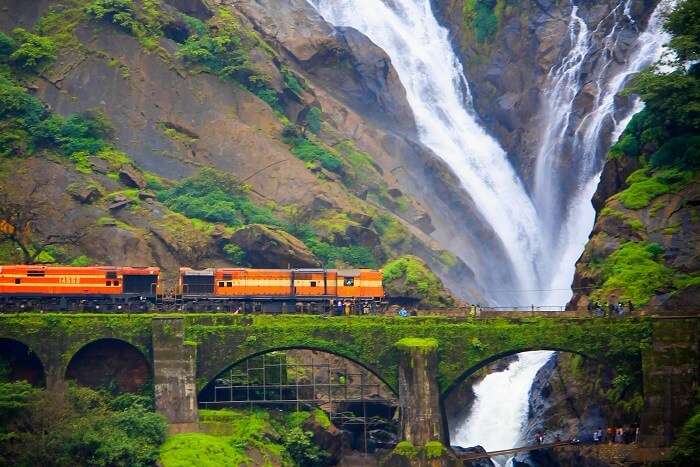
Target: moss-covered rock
<point>409,276</point>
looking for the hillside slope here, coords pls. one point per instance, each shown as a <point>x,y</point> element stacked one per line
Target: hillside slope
<point>190,85</point>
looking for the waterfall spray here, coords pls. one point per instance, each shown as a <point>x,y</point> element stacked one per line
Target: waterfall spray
<point>553,229</point>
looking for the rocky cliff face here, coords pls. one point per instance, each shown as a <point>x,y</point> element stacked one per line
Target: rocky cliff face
<point>644,245</point>
<point>508,49</point>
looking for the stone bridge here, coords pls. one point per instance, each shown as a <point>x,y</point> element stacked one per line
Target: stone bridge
<point>420,359</point>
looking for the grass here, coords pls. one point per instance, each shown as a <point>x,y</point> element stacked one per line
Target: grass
<point>645,185</point>
<point>421,344</point>
<point>634,272</point>
<point>200,449</point>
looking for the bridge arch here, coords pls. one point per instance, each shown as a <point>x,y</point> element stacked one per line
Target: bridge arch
<point>209,378</point>
<point>110,363</point>
<point>507,353</point>
<point>19,362</point>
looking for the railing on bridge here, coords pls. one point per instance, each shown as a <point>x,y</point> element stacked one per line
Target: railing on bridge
<point>525,308</point>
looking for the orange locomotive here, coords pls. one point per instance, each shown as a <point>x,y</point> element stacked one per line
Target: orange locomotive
<point>281,290</point>
<point>77,288</point>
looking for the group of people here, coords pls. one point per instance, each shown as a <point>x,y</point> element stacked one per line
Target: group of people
<point>618,309</point>
<point>616,435</point>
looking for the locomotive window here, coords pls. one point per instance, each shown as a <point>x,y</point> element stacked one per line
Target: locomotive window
<point>313,283</point>
<point>349,281</point>
<point>17,281</point>
<point>109,283</point>
<point>116,283</point>
<point>35,273</point>
<point>222,284</point>
<point>229,284</point>
<point>111,275</point>
<point>227,277</point>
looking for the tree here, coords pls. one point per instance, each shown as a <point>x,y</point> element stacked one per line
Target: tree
<point>22,210</point>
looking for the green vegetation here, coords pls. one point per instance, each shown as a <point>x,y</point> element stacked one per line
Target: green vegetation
<point>30,52</point>
<point>224,49</point>
<point>665,132</point>
<point>314,153</point>
<point>143,20</point>
<point>233,435</point>
<point>216,197</point>
<point>410,276</point>
<point>686,448</point>
<point>416,343</point>
<point>643,188</point>
<point>434,449</point>
<point>406,449</point>
<point>77,426</point>
<point>188,449</point>
<point>483,16</point>
<point>635,272</point>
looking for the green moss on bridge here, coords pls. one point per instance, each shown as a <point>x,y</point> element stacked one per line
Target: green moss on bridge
<point>463,345</point>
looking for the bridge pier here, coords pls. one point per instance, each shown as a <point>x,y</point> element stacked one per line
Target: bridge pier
<point>419,394</point>
<point>174,377</point>
<point>671,372</point>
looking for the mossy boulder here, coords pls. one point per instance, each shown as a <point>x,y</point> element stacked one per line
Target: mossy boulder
<point>410,276</point>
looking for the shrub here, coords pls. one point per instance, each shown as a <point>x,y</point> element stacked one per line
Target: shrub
<point>301,449</point>
<point>681,151</point>
<point>225,51</point>
<point>309,151</point>
<point>406,449</point>
<point>644,188</point>
<point>7,45</point>
<point>16,102</point>
<point>78,133</point>
<point>119,12</point>
<point>34,52</point>
<point>686,448</point>
<point>216,197</point>
<point>634,272</point>
<point>234,254</point>
<point>313,120</point>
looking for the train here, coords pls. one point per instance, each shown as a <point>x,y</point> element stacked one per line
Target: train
<point>236,290</point>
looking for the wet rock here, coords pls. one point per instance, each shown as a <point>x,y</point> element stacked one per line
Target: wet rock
<point>85,194</point>
<point>268,247</point>
<point>395,192</point>
<point>118,202</point>
<point>482,462</point>
<point>147,195</point>
<point>129,176</point>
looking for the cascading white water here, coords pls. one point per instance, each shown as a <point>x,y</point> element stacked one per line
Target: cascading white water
<point>432,75</point>
<point>553,230</point>
<point>567,222</point>
<point>501,405</point>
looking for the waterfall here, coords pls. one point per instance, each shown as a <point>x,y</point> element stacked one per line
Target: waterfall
<point>551,230</point>
<point>436,90</point>
<point>582,143</point>
<point>501,405</point>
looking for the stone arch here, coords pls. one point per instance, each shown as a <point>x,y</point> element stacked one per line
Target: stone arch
<point>20,363</point>
<point>211,378</point>
<point>506,353</point>
<point>459,394</point>
<point>110,363</point>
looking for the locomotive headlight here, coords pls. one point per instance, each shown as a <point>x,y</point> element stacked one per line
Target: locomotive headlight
<point>119,307</point>
<point>97,307</point>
